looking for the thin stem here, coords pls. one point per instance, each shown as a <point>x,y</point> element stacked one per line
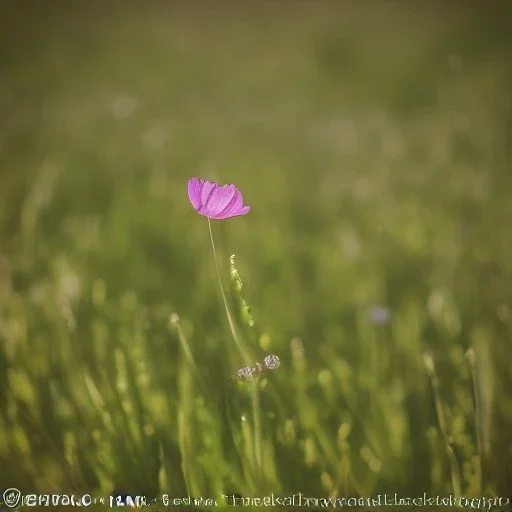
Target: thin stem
<point>255,395</point>
<point>228,313</point>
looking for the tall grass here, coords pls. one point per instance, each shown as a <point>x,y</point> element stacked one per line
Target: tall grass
<point>373,145</point>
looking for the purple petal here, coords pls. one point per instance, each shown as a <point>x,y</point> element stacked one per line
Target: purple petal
<point>234,204</point>
<point>225,201</point>
<point>220,199</point>
<point>194,192</point>
<point>216,202</point>
<point>234,211</point>
<point>206,194</point>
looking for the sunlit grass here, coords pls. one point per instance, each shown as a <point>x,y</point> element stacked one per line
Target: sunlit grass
<point>375,262</point>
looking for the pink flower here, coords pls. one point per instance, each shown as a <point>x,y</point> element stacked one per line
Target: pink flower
<point>216,202</point>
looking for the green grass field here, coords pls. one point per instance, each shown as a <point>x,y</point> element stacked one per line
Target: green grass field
<point>373,141</point>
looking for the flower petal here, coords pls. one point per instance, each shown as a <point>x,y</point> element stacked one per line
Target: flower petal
<point>221,199</point>
<point>206,193</point>
<point>234,212</point>
<point>194,192</point>
<point>215,202</point>
<point>236,202</point>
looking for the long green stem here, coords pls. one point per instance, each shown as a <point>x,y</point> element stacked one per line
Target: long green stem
<point>228,312</point>
<point>255,395</point>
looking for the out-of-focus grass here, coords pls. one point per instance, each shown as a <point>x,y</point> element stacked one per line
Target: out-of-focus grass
<point>373,143</point>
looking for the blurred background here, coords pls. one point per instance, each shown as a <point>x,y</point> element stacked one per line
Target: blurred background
<point>373,141</point>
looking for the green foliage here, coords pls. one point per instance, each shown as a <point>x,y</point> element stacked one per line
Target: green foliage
<point>373,144</point>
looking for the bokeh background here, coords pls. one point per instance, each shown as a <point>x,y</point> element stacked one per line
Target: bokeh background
<point>373,141</point>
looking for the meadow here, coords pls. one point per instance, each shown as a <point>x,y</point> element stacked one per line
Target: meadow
<point>373,142</point>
